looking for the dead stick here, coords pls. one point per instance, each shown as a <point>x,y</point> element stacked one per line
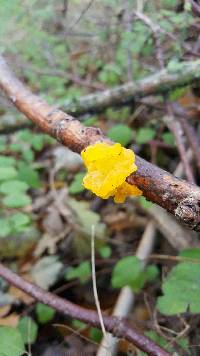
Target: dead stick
<point>175,195</point>
<point>117,327</point>
<point>192,137</point>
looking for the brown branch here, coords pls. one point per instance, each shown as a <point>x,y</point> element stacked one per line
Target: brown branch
<point>116,326</point>
<point>173,194</point>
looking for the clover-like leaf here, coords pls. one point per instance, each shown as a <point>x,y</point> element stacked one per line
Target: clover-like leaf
<point>11,342</point>
<point>181,290</point>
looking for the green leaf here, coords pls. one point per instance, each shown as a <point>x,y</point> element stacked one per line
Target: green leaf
<point>6,161</point>
<point>7,173</point>
<point>96,334</point>
<point>191,253</point>
<point>28,329</point>
<point>120,133</point>
<point>76,186</point>
<point>145,203</point>
<point>5,227</point>
<point>78,324</point>
<point>28,175</point>
<point>17,200</point>
<point>105,251</point>
<point>144,135</point>
<point>11,342</point>
<point>181,290</point>
<point>168,138</point>
<point>19,221</point>
<point>126,273</point>
<point>158,339</point>
<point>177,93</point>
<point>13,186</point>
<point>44,313</point>
<point>37,142</point>
<point>28,154</point>
<point>82,272</point>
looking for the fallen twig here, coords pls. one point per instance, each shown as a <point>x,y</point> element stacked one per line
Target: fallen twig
<point>112,324</point>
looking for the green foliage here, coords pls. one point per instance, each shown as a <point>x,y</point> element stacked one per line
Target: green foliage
<point>16,200</point>
<point>105,251</point>
<point>13,224</point>
<point>13,186</point>
<point>28,174</point>
<point>128,272</point>
<point>159,340</point>
<point>28,329</point>
<point>82,272</point>
<point>11,342</point>
<point>6,161</point>
<point>7,173</point>
<point>144,135</point>
<point>96,335</point>
<point>5,228</point>
<point>193,253</point>
<point>44,313</point>
<point>181,288</point>
<point>78,324</point>
<point>76,186</point>
<point>120,133</point>
<point>146,204</point>
<point>168,138</point>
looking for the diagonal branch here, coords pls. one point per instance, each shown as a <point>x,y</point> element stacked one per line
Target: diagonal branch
<point>166,79</point>
<point>117,327</point>
<point>175,195</point>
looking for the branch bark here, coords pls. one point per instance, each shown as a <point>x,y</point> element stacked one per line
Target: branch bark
<point>116,326</point>
<point>175,195</point>
<point>183,74</point>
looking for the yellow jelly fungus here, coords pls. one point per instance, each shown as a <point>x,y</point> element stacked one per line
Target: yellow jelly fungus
<point>108,167</point>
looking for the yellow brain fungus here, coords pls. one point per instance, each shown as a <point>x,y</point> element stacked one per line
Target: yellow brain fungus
<point>108,167</point>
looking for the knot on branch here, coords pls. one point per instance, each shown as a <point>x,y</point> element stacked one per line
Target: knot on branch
<point>188,210</point>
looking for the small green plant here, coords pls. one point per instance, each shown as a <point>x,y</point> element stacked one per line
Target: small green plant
<point>181,290</point>
<point>82,272</point>
<point>44,313</point>
<point>12,343</point>
<point>128,272</point>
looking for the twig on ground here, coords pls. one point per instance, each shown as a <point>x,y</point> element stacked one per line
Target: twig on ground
<point>112,324</point>
<point>175,128</point>
<point>175,195</point>
<point>125,299</point>
<point>156,31</point>
<point>192,138</point>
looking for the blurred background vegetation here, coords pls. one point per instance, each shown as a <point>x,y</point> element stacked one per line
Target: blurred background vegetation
<point>63,50</point>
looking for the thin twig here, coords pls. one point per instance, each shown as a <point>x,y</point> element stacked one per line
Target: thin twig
<point>175,128</point>
<point>112,324</point>
<point>192,137</point>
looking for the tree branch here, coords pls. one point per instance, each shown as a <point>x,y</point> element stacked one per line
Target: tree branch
<point>173,194</point>
<point>183,74</point>
<point>117,327</point>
